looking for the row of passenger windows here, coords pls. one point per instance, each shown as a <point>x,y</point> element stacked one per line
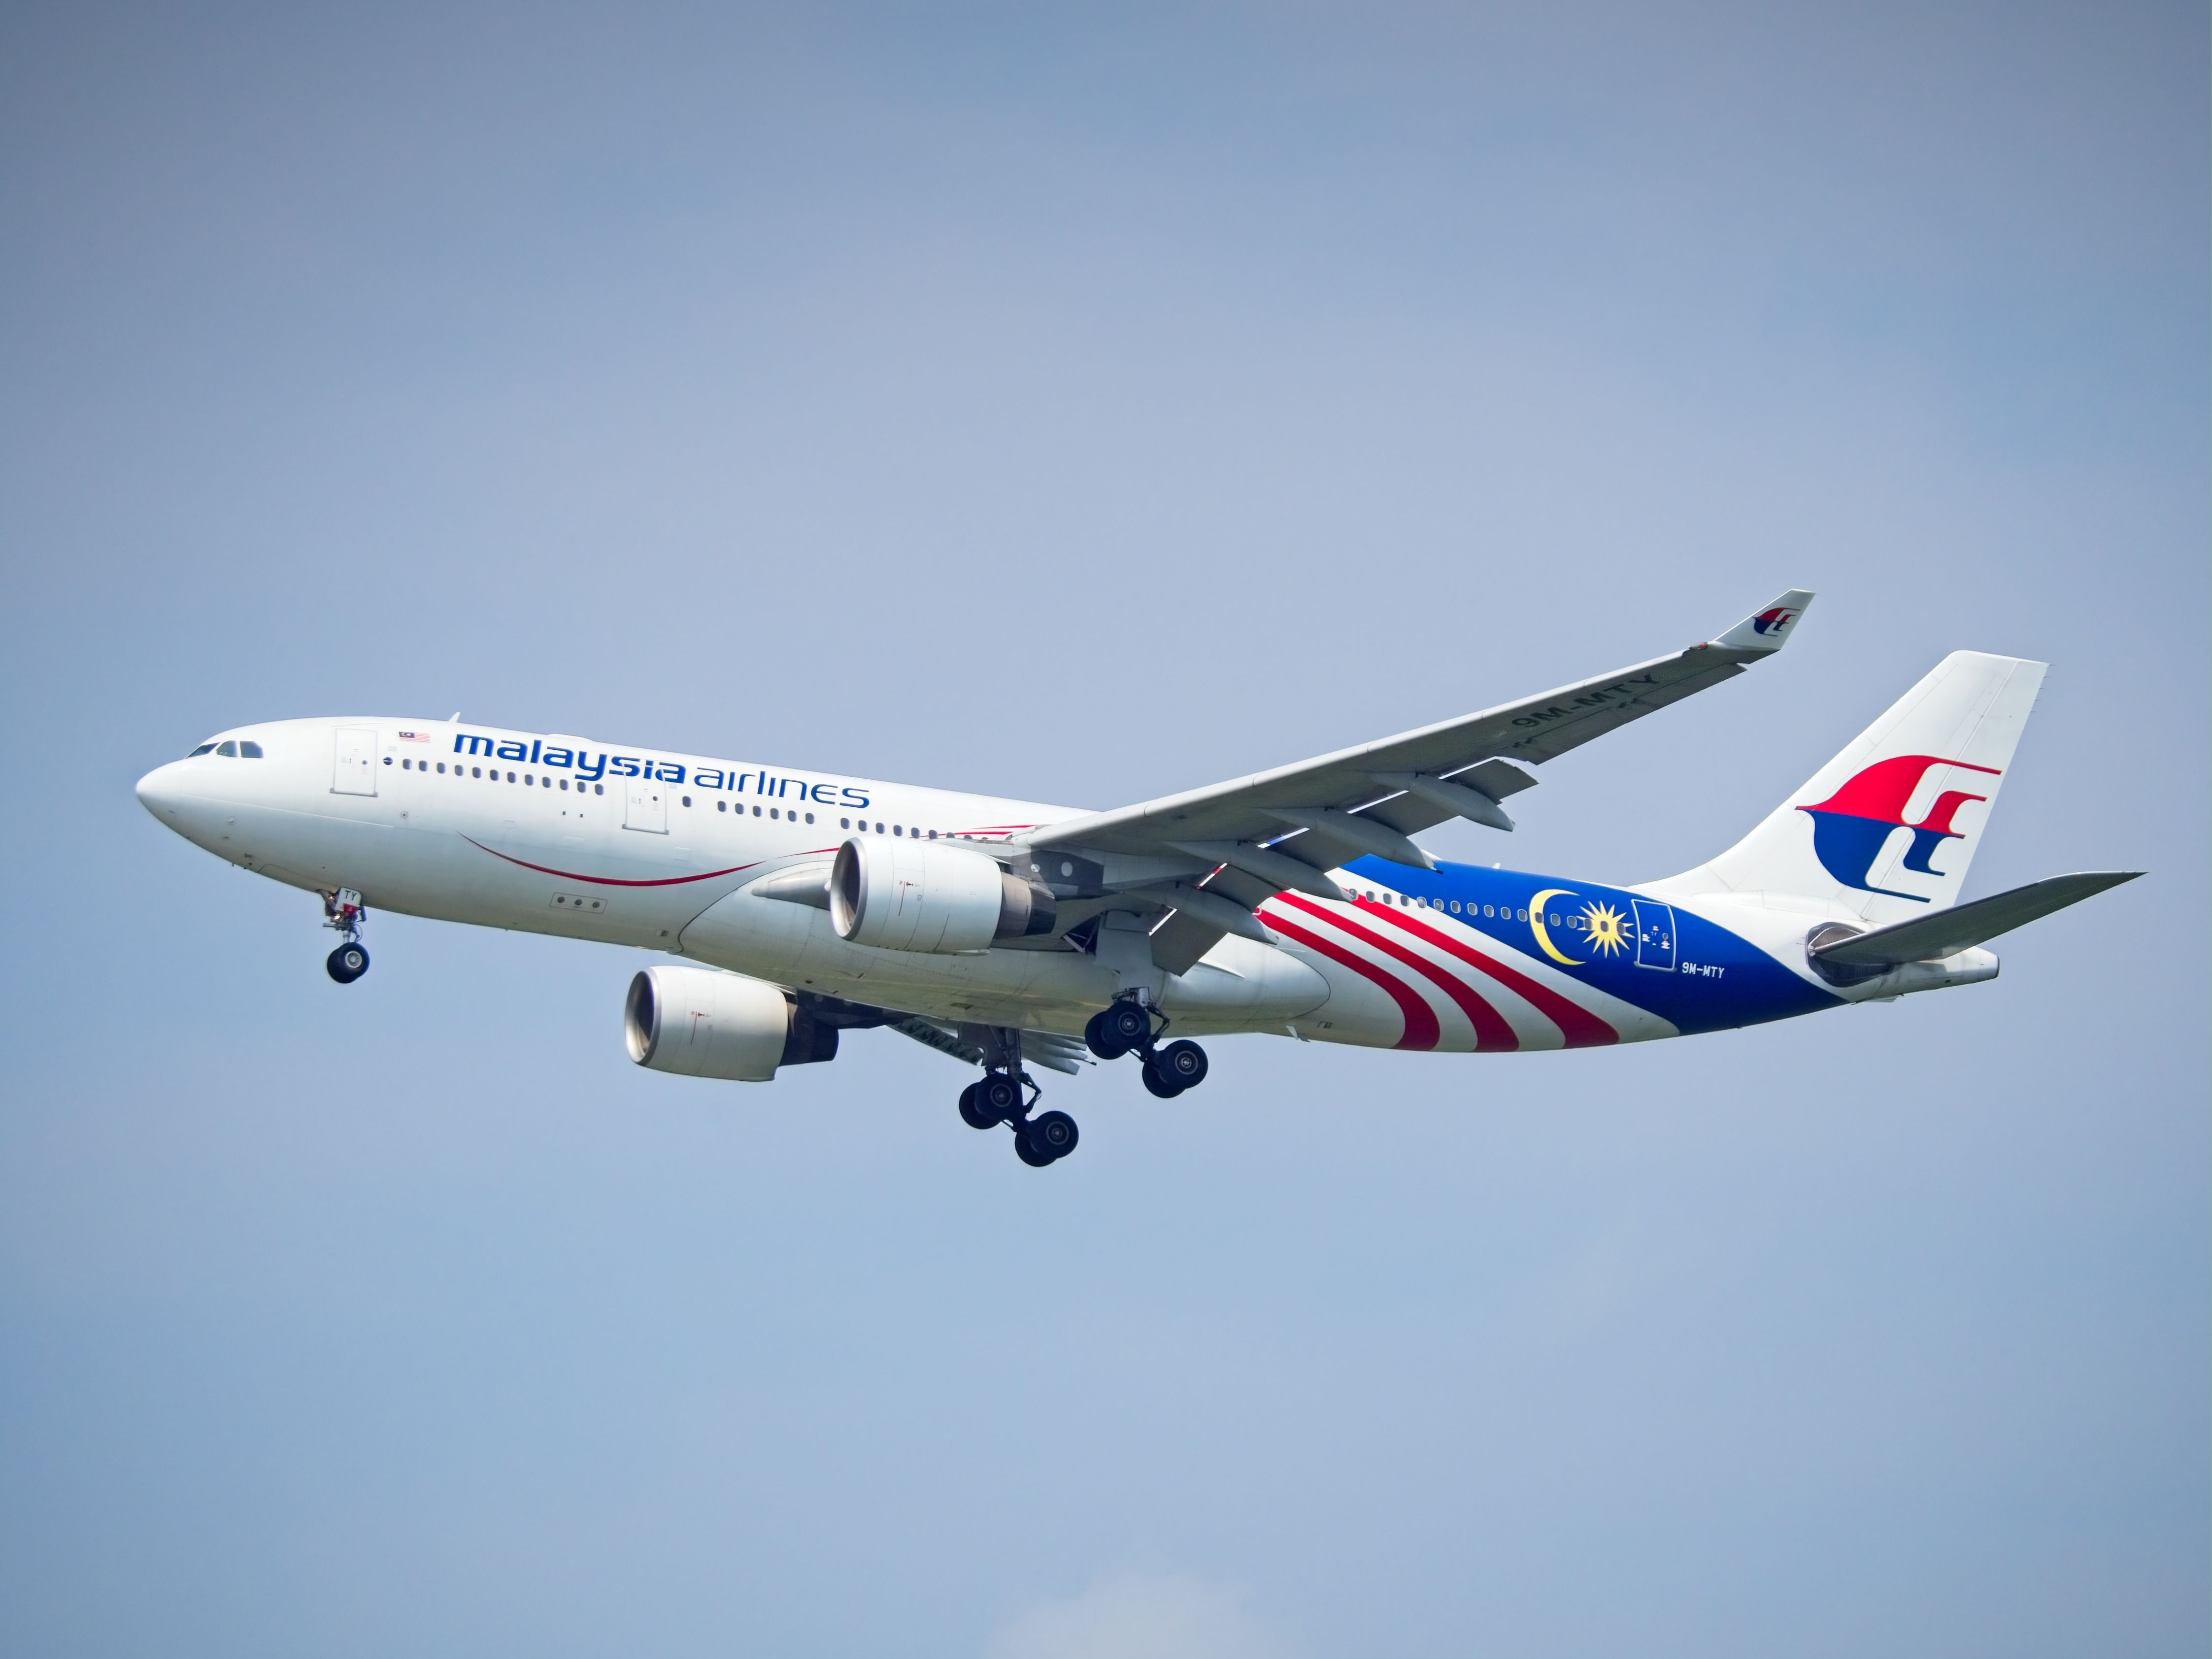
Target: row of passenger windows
<point>1503,912</point>
<point>236,749</point>
<point>531,778</point>
<point>410,764</point>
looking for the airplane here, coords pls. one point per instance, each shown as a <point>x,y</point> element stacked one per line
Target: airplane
<point>1008,933</point>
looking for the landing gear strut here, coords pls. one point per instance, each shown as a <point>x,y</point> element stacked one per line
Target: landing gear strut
<point>1125,1026</point>
<point>344,911</point>
<point>1007,1094</point>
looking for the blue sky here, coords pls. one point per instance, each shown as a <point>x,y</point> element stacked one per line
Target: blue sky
<point>1083,406</point>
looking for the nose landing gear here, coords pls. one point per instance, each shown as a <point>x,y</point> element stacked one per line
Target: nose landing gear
<point>1126,1027</point>
<point>344,911</point>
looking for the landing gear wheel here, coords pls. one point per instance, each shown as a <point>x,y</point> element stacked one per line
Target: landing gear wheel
<point>1051,1133</point>
<point>1028,1150</point>
<point>1184,1063</point>
<point>1158,1083</point>
<point>971,1114</point>
<point>994,1097</point>
<point>347,963</point>
<point>1113,1031</point>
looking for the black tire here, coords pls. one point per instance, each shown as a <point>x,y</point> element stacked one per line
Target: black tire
<point>1054,1132</point>
<point>1158,1083</point>
<point>347,963</point>
<point>1184,1063</point>
<point>1099,1041</point>
<point>1126,1024</point>
<point>995,1098</point>
<point>970,1114</point>
<point>1035,1156</point>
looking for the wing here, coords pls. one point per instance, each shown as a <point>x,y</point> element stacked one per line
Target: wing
<point>1234,845</point>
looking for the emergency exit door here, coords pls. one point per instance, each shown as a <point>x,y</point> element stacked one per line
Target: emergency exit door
<point>357,762</point>
<point>648,806</point>
<point>1654,935</point>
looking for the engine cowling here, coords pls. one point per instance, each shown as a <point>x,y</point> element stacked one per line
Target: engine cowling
<point>929,895</point>
<point>701,1022</point>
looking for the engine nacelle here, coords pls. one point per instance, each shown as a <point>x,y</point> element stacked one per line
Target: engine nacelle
<point>700,1022</point>
<point>929,895</point>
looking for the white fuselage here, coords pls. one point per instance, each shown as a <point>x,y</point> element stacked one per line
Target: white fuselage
<point>470,824</point>
<point>710,859</point>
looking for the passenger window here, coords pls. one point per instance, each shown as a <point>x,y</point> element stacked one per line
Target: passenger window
<point>810,817</point>
<point>204,749</point>
<point>721,807</point>
<point>879,828</point>
<point>231,750</point>
<point>564,785</point>
<point>598,789</point>
<point>687,800</point>
<point>756,812</point>
<point>249,750</point>
<point>441,768</point>
<point>896,830</point>
<point>774,813</point>
<point>387,759</point>
<point>844,823</point>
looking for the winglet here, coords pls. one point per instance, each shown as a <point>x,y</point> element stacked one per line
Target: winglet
<point>1769,628</point>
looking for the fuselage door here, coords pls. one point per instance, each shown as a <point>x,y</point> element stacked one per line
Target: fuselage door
<point>1654,935</point>
<point>647,807</point>
<point>357,762</point>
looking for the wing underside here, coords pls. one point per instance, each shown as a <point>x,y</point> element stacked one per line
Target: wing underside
<point>1203,861</point>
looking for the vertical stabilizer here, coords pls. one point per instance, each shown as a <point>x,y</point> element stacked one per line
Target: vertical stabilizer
<point>1888,827</point>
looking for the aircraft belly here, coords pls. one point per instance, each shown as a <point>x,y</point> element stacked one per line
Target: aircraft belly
<point>1242,985</point>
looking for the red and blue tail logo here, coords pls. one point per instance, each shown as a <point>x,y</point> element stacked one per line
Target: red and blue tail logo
<point>1774,621</point>
<point>1850,826</point>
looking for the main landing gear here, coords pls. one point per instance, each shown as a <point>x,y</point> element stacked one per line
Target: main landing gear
<point>1007,1097</point>
<point>344,911</point>
<point>1126,1027</point>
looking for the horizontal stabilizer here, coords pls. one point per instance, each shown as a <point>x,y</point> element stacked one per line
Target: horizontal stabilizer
<point>1947,933</point>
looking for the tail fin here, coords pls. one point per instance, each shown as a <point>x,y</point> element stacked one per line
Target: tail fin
<point>1888,827</point>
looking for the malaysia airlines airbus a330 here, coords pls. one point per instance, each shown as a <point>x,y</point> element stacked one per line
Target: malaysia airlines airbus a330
<point>1008,934</point>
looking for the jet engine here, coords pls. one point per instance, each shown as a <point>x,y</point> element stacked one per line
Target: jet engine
<point>700,1022</point>
<point>929,895</point>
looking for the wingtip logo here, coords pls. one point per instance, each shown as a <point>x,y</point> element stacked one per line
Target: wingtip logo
<point>1774,621</point>
<point>1851,828</point>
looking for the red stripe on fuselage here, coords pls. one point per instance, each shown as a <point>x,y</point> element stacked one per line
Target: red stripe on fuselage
<point>1490,1028</point>
<point>1577,1025</point>
<point>1421,1028</point>
<point>608,881</point>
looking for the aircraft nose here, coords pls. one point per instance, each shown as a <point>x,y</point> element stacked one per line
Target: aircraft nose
<point>159,792</point>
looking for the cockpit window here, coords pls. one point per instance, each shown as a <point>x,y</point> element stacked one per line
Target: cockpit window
<point>249,750</point>
<point>229,749</point>
<point>204,749</point>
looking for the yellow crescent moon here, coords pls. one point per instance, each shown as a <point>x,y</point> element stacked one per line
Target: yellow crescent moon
<point>1536,922</point>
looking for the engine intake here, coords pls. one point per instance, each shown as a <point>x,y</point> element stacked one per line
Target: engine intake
<point>929,895</point>
<point>701,1022</point>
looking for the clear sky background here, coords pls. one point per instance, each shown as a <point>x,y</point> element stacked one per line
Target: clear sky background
<point>1083,405</point>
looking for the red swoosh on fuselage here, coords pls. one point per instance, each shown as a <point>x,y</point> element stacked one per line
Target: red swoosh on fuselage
<point>609,881</point>
<point>1421,1028</point>
<point>1491,1030</point>
<point>1578,1027</point>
